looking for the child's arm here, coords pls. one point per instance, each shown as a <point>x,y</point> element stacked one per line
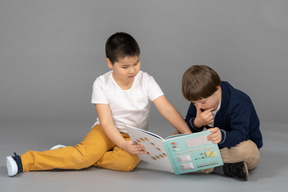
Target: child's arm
<point>109,128</point>
<point>168,111</point>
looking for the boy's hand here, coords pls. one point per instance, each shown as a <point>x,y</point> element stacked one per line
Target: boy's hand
<point>215,135</point>
<point>203,118</point>
<point>134,148</point>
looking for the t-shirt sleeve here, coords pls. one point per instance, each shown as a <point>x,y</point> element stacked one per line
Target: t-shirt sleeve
<point>154,90</point>
<point>98,92</point>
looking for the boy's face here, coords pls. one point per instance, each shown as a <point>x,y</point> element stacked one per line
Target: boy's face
<point>211,102</point>
<point>125,69</point>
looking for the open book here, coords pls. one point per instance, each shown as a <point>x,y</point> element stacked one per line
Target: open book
<point>179,153</point>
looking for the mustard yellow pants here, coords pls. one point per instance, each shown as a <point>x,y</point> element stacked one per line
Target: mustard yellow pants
<point>95,149</point>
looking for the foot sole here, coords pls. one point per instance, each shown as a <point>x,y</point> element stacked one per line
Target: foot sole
<point>57,147</point>
<point>246,170</point>
<point>12,167</point>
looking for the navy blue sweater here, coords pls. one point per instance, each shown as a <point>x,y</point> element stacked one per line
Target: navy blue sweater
<point>236,118</point>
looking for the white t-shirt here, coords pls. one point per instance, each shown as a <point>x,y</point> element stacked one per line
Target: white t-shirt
<point>214,114</point>
<point>129,107</point>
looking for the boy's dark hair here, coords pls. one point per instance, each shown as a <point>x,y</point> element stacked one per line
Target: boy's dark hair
<point>199,82</point>
<point>120,45</point>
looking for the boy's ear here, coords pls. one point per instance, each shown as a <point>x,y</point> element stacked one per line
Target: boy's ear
<point>218,88</point>
<point>109,63</point>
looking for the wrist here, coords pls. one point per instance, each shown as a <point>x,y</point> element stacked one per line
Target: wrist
<point>122,144</point>
<point>197,123</point>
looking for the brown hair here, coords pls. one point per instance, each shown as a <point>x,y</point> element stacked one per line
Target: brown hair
<point>199,82</point>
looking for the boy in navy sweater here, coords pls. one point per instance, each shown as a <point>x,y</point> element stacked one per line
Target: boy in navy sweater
<point>230,115</point>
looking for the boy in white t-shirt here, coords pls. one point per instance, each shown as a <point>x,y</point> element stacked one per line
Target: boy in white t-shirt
<point>122,98</point>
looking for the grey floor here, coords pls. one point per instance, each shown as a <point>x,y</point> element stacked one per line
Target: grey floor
<point>270,175</point>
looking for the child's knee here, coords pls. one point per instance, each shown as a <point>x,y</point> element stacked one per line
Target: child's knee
<point>248,149</point>
<point>249,152</point>
<point>252,155</point>
<point>83,158</point>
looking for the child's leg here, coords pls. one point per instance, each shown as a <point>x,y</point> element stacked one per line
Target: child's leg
<point>118,159</point>
<point>245,151</point>
<point>83,155</point>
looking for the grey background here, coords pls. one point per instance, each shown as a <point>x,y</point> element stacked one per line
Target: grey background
<point>52,51</point>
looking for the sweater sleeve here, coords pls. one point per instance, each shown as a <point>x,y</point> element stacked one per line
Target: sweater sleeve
<point>190,116</point>
<point>239,125</point>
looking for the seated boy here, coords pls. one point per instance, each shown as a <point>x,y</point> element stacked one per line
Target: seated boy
<point>218,105</point>
<point>122,97</point>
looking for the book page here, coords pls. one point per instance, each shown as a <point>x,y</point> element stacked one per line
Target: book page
<point>153,143</point>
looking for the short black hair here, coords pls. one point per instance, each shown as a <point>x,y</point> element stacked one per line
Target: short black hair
<point>120,45</point>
